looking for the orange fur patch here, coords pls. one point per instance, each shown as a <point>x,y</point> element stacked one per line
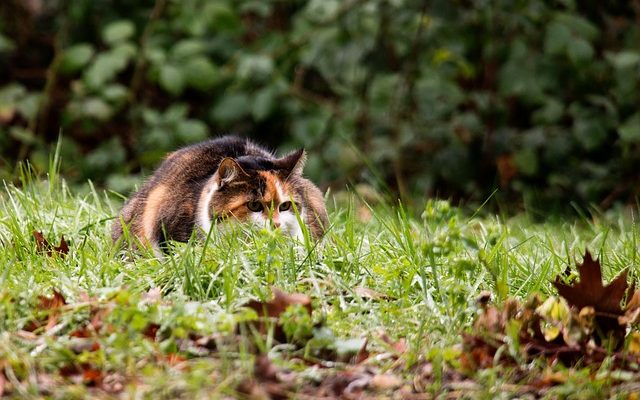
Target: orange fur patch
<point>271,195</point>
<point>151,209</point>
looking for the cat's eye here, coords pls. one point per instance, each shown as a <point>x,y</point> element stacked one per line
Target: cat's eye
<point>285,206</point>
<point>254,206</point>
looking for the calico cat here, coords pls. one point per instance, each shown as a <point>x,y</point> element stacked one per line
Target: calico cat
<point>222,179</point>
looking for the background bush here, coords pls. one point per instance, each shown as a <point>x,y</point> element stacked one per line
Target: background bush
<point>454,98</point>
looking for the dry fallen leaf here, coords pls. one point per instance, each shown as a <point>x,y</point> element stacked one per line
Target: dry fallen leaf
<point>52,306</point>
<point>399,347</point>
<point>43,245</point>
<point>279,304</point>
<point>590,291</point>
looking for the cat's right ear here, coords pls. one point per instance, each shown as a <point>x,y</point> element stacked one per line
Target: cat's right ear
<point>229,170</point>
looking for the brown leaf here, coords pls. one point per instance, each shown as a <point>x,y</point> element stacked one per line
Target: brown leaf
<point>279,304</point>
<point>400,347</point>
<point>264,369</point>
<point>174,358</point>
<point>43,245</point>
<point>272,381</point>
<point>91,376</point>
<point>363,353</point>
<point>52,305</point>
<point>151,330</point>
<point>54,302</point>
<point>62,248</point>
<point>589,291</point>
<point>490,319</point>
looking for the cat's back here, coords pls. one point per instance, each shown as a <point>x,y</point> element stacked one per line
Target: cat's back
<point>174,187</point>
<point>200,160</point>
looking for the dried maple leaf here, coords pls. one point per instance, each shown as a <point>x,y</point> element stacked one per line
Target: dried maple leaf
<point>62,248</point>
<point>590,292</point>
<point>43,245</point>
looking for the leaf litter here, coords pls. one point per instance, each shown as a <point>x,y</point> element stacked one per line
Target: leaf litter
<point>589,326</point>
<point>586,327</point>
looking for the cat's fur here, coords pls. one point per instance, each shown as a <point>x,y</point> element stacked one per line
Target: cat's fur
<point>219,180</point>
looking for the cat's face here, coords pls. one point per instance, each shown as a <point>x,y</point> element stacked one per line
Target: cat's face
<point>259,191</point>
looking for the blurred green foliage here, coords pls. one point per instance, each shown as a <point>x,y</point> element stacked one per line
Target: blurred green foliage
<point>537,97</point>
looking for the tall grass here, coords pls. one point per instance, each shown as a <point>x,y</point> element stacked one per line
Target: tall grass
<point>425,266</point>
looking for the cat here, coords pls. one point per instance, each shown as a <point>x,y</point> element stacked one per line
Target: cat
<point>228,178</point>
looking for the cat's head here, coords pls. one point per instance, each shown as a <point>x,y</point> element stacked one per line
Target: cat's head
<point>261,191</point>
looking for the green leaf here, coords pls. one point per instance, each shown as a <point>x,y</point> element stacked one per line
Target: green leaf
<point>550,113</point>
<point>222,17</point>
<point>176,112</point>
<point>115,93</point>
<point>201,74</point>
<point>557,37</point>
<point>97,109</point>
<point>629,131</point>
<point>589,132</point>
<point>382,90</point>
<point>6,44</point>
<point>255,67</point>
<point>75,58</point>
<point>263,103</point>
<point>527,161</point>
<point>23,135</point>
<point>231,107</point>
<point>322,10</point>
<point>579,50</point>
<point>187,48</point>
<point>579,25</point>
<point>105,67</point>
<point>624,59</point>
<point>28,105</point>
<point>192,130</point>
<point>171,79</point>
<point>118,31</point>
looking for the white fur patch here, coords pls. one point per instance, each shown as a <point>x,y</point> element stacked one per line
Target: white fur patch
<point>204,206</point>
<point>289,224</point>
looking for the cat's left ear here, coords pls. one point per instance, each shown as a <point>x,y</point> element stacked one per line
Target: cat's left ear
<point>293,163</point>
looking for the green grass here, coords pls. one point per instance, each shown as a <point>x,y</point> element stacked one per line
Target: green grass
<point>429,264</point>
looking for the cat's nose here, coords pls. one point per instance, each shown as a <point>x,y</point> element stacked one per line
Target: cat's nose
<point>275,223</point>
